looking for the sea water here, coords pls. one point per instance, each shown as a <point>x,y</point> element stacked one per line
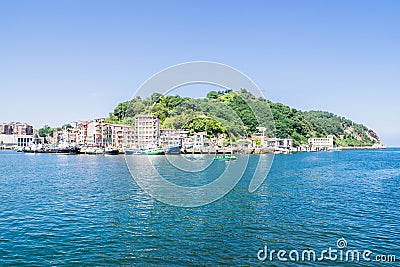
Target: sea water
<point>82,210</point>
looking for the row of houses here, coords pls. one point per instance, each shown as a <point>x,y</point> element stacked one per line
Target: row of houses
<point>286,144</point>
<point>146,132</point>
<point>95,132</point>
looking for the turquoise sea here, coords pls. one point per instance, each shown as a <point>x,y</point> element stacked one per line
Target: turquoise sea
<point>80,210</point>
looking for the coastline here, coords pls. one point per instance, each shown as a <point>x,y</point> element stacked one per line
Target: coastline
<point>255,151</point>
<point>361,148</point>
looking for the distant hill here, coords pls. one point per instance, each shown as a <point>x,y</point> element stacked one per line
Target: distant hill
<point>238,114</point>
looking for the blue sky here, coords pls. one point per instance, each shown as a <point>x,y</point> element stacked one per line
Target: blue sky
<point>62,61</point>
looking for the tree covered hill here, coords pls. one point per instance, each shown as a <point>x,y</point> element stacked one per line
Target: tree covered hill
<point>238,114</point>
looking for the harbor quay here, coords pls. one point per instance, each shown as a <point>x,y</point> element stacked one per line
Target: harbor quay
<point>98,136</point>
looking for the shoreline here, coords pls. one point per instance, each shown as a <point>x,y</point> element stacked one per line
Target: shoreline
<point>254,151</point>
<point>361,148</point>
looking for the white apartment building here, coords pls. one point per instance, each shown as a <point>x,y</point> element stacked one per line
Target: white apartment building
<point>82,132</point>
<point>94,134</point>
<point>119,135</point>
<point>277,143</point>
<point>172,137</point>
<point>318,143</point>
<point>197,140</point>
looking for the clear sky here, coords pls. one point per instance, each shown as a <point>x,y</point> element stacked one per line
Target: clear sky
<point>62,61</point>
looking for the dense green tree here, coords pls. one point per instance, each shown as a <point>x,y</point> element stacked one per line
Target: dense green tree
<point>173,101</point>
<point>45,131</point>
<point>120,110</point>
<point>134,108</point>
<point>128,121</point>
<point>205,124</point>
<point>112,118</point>
<point>66,126</point>
<point>213,95</point>
<point>257,142</point>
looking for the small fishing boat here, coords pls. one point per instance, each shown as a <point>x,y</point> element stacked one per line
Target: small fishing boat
<point>226,157</point>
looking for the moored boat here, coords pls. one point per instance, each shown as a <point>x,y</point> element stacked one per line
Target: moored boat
<point>155,151</point>
<point>173,150</point>
<point>34,148</point>
<point>62,148</point>
<point>92,150</point>
<point>130,151</point>
<point>111,151</point>
<point>226,157</point>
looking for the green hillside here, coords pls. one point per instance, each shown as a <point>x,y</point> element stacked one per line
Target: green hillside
<point>238,114</point>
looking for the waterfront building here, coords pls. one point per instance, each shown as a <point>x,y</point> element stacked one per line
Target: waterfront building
<point>94,134</point>
<point>318,143</point>
<point>244,143</point>
<point>68,135</point>
<point>72,135</point>
<point>81,138</point>
<point>16,128</point>
<point>197,140</point>
<point>147,131</point>
<point>188,142</point>
<point>271,143</point>
<point>15,134</point>
<point>172,137</point>
<point>129,137</point>
<point>278,143</point>
<point>122,136</point>
<point>12,140</point>
<point>107,135</point>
